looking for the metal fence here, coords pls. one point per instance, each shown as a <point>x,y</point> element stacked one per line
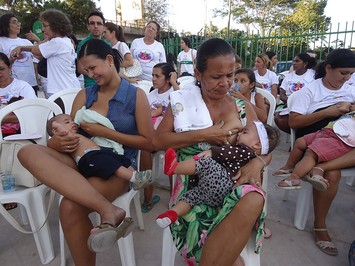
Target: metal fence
<point>286,43</point>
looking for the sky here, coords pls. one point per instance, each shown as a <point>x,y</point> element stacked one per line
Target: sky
<point>190,15</point>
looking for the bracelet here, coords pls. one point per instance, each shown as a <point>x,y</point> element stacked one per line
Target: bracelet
<point>263,169</point>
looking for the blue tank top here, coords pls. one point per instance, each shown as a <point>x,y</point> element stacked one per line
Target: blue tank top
<point>121,112</point>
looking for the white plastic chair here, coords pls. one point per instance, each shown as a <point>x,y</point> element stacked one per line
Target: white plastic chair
<point>144,85</point>
<point>125,245</point>
<point>33,115</point>
<point>186,80</point>
<point>169,249</point>
<point>270,121</point>
<point>67,96</point>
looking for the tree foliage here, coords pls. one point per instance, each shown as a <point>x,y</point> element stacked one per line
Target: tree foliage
<point>156,10</point>
<point>28,11</point>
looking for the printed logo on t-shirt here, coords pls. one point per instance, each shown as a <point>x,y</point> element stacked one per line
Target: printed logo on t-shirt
<point>145,56</point>
<point>296,86</point>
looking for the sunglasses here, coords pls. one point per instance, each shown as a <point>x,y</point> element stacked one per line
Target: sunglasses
<point>93,23</point>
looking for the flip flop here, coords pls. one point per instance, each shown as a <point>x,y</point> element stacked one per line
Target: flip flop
<point>106,235</point>
<point>169,164</point>
<point>290,184</point>
<point>317,181</point>
<point>146,207</point>
<point>327,247</point>
<point>284,172</point>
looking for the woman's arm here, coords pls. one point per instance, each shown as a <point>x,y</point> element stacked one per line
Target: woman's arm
<point>127,60</point>
<point>297,120</point>
<point>179,69</point>
<point>33,49</point>
<point>173,81</point>
<point>250,112</point>
<point>283,96</point>
<point>274,90</point>
<point>260,108</point>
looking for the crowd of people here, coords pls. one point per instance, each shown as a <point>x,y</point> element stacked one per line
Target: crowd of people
<point>219,115</point>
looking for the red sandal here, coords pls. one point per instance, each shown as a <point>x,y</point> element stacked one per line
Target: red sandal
<point>170,161</point>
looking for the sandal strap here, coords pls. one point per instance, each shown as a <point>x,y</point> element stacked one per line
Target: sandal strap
<point>320,169</point>
<point>320,229</point>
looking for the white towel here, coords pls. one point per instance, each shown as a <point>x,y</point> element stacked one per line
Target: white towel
<point>189,110</point>
<point>90,116</point>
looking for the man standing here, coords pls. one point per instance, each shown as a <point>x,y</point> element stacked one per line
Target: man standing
<point>95,24</point>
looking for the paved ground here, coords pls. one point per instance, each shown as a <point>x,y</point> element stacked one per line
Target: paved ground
<point>287,246</point>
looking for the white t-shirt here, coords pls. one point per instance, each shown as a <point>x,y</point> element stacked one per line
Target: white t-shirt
<point>351,81</point>
<point>23,68</point>
<point>315,96</point>
<point>16,88</point>
<point>185,59</point>
<point>60,55</point>
<point>155,98</point>
<point>293,82</point>
<point>269,79</point>
<point>148,56</point>
<point>122,48</point>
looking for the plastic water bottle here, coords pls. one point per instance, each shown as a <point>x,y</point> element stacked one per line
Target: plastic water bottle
<point>8,182</point>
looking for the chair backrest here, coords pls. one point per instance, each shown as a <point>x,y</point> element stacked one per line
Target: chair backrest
<point>67,96</point>
<point>292,130</point>
<point>272,101</point>
<point>32,115</point>
<point>144,85</point>
<point>186,80</point>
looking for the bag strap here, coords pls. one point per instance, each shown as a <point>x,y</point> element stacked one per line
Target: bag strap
<point>11,220</point>
<point>192,58</point>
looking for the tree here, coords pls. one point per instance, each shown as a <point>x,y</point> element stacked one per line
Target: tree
<point>263,15</point>
<point>28,11</point>
<point>156,10</point>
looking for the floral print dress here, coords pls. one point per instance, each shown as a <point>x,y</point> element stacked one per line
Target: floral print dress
<point>192,229</point>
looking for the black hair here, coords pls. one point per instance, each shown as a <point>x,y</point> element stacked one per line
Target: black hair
<point>100,49</point>
<point>211,48</point>
<point>74,39</point>
<point>250,73</point>
<point>187,41</point>
<point>3,57</point>
<point>170,58</point>
<point>338,58</point>
<point>166,69</point>
<point>95,13</point>
<point>117,29</point>
<point>270,54</point>
<point>4,24</point>
<point>58,21</point>
<point>238,59</point>
<point>311,61</point>
<point>273,135</point>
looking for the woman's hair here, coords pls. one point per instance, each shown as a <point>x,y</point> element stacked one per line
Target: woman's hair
<point>170,58</point>
<point>58,21</point>
<point>250,73</point>
<point>74,39</point>
<point>267,62</point>
<point>311,61</point>
<point>3,57</point>
<point>338,58</point>
<point>96,13</point>
<point>117,29</point>
<point>273,135</point>
<point>187,41</point>
<point>100,49</point>
<point>166,69</point>
<point>4,24</point>
<point>238,59</point>
<point>158,29</point>
<point>211,48</point>
<point>270,54</point>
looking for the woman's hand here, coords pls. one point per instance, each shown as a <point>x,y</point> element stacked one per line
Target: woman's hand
<point>64,142</point>
<point>338,109</point>
<point>32,37</point>
<point>216,135</point>
<point>250,173</point>
<point>93,129</point>
<point>205,154</point>
<point>16,53</point>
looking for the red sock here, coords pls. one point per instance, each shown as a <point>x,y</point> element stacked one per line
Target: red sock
<point>169,166</point>
<point>172,215</point>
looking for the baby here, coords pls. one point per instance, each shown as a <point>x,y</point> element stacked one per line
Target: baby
<point>215,168</point>
<point>93,160</point>
<point>323,145</point>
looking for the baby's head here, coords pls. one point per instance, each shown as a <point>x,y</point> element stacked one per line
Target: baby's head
<point>60,123</point>
<point>260,137</point>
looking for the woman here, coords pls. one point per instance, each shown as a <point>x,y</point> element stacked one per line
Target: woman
<point>23,66</point>
<point>273,59</point>
<point>58,50</point>
<point>235,221</point>
<point>148,50</point>
<point>133,130</point>
<point>265,78</point>
<point>303,65</point>
<point>164,82</point>
<point>186,58</point>
<point>321,101</point>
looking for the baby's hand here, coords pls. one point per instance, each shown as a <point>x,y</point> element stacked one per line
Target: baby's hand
<point>57,128</point>
<point>205,154</point>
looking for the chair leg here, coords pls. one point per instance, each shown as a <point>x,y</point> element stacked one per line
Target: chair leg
<point>62,246</point>
<point>23,215</point>
<point>169,250</point>
<point>36,215</point>
<point>350,181</point>
<point>304,200</point>
<point>126,249</point>
<point>137,205</point>
<point>264,186</point>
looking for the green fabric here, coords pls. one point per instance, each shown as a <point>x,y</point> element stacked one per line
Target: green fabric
<point>192,229</point>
